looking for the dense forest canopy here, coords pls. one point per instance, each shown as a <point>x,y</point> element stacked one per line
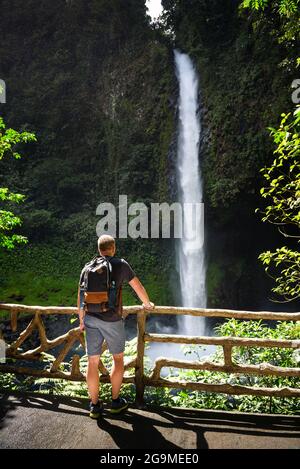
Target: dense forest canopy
<point>95,82</point>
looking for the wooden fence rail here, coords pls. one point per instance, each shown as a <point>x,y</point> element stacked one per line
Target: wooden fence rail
<point>74,335</point>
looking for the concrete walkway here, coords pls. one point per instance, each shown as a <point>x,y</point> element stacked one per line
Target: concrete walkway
<point>37,421</point>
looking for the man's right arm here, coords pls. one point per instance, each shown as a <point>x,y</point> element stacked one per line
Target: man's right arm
<point>141,293</point>
<point>80,312</point>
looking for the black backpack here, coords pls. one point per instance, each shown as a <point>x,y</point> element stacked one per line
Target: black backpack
<point>97,286</point>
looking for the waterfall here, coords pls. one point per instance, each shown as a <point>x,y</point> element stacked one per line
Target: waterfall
<point>190,250</point>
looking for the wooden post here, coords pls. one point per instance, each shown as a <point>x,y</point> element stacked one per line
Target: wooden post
<point>139,367</point>
<point>227,355</point>
<point>14,319</point>
<point>75,367</point>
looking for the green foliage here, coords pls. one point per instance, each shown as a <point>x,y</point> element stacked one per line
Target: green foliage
<point>8,221</point>
<point>283,7</point>
<point>9,139</point>
<point>275,356</point>
<point>48,274</point>
<point>112,77</point>
<point>214,278</point>
<point>283,194</point>
<point>285,15</point>
<point>41,274</point>
<point>283,177</point>
<point>255,4</point>
<point>287,262</point>
<point>106,138</point>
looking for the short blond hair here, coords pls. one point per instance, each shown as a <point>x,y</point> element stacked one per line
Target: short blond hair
<point>106,243</point>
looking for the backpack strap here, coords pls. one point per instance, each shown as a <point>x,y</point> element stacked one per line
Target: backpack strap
<point>87,269</point>
<point>109,273</point>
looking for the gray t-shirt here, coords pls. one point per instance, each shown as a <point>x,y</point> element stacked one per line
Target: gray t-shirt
<point>122,273</point>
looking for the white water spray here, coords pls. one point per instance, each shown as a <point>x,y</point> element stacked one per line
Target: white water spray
<point>190,251</point>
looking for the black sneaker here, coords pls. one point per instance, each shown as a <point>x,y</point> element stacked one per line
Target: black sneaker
<point>96,409</point>
<point>118,405</point>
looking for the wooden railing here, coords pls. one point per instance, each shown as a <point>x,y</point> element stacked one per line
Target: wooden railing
<point>139,378</point>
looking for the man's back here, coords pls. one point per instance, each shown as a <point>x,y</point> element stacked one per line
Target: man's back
<point>121,273</point>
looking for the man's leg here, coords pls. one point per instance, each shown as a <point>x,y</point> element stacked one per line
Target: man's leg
<point>92,377</point>
<point>94,340</point>
<point>116,374</point>
<point>114,334</point>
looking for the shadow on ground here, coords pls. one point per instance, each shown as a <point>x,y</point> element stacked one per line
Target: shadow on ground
<point>62,422</point>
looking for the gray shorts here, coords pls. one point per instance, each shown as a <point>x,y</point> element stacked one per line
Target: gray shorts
<point>97,330</point>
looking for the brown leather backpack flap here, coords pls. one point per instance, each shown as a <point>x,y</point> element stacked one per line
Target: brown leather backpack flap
<point>96,297</point>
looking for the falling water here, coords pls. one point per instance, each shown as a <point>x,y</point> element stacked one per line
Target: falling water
<point>191,260</point>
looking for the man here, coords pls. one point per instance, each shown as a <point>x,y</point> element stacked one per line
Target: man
<point>109,326</point>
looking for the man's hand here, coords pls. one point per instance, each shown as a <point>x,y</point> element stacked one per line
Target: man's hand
<point>148,305</point>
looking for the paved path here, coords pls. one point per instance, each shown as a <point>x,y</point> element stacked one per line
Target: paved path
<point>36,421</point>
